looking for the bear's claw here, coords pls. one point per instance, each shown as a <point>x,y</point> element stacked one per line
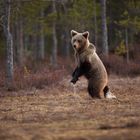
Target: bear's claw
<point>74,80</point>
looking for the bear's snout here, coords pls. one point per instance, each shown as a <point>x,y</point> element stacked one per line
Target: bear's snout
<point>74,46</point>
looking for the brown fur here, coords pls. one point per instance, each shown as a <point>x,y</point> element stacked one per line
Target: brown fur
<point>89,65</point>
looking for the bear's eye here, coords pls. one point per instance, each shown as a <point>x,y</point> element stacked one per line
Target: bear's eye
<point>79,41</point>
<point>74,40</point>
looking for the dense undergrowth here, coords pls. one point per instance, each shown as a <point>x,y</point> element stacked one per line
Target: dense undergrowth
<point>119,66</point>
<point>41,74</point>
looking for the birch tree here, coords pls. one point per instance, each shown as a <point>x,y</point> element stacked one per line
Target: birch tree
<point>9,44</point>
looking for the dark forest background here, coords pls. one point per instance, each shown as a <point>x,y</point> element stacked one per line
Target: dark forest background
<point>35,47</point>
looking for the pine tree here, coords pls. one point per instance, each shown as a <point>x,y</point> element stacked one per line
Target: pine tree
<point>104,28</point>
<point>54,48</point>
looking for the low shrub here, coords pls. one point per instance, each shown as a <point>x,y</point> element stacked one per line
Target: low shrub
<point>119,66</point>
<point>40,74</point>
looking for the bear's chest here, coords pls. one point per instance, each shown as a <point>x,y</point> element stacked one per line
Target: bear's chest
<point>86,56</point>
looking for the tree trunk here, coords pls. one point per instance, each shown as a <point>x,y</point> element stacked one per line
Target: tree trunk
<point>95,24</point>
<point>14,36</point>
<point>66,38</point>
<point>104,28</point>
<point>67,44</point>
<point>26,43</point>
<point>35,42</point>
<point>126,44</point>
<point>54,48</point>
<point>41,40</point>
<point>20,46</point>
<point>9,45</point>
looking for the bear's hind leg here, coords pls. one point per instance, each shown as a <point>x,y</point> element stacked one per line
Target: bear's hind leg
<point>108,94</point>
<point>93,92</point>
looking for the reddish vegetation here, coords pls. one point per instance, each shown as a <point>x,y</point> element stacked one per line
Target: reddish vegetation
<point>118,65</point>
<point>35,76</point>
<point>39,75</point>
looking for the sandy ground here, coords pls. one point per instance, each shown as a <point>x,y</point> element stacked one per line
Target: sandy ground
<point>57,113</point>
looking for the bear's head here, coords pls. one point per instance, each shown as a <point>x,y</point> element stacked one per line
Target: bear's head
<point>79,41</point>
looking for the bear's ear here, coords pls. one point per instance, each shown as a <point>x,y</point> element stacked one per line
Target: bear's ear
<point>73,33</point>
<point>86,34</point>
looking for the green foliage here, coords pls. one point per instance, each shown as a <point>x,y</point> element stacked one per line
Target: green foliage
<point>30,12</point>
<point>75,14</point>
<point>121,49</point>
<point>81,14</point>
<point>130,16</point>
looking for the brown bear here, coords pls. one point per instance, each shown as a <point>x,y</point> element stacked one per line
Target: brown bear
<point>89,65</point>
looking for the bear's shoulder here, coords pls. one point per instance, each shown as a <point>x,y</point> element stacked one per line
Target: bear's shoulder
<point>90,50</point>
<point>88,53</point>
<point>92,47</point>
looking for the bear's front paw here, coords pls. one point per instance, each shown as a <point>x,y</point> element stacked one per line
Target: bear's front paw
<point>74,80</point>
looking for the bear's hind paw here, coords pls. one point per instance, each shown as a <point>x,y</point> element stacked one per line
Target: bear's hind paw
<point>110,95</point>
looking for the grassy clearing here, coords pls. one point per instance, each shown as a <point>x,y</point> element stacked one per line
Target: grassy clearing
<point>57,113</point>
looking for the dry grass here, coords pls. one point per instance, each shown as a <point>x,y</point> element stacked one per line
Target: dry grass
<point>57,113</point>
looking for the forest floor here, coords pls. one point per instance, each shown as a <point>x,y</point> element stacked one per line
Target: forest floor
<point>57,113</point>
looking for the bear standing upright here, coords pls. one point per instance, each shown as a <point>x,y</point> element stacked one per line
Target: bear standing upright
<point>89,65</point>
